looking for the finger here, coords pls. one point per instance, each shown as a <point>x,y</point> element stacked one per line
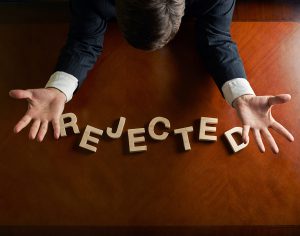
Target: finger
<point>245,133</point>
<point>22,123</point>
<point>271,140</point>
<point>42,131</point>
<point>34,129</point>
<point>279,99</point>
<point>20,94</point>
<point>56,128</point>
<point>258,140</point>
<point>283,131</point>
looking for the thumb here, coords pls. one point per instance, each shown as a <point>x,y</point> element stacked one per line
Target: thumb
<point>20,94</point>
<point>279,99</point>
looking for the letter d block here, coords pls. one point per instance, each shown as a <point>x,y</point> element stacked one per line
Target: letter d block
<point>228,134</point>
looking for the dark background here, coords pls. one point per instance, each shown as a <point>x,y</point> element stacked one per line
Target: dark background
<point>38,11</point>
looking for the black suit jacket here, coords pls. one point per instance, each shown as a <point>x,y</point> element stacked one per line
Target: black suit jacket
<point>213,18</point>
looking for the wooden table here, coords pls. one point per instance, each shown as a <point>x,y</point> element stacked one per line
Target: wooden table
<point>208,189</point>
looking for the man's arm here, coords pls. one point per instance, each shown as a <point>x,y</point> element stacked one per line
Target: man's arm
<point>219,50</point>
<point>84,45</point>
<point>225,65</point>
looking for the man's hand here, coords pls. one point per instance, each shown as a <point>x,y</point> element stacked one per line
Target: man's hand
<point>255,113</point>
<point>44,105</point>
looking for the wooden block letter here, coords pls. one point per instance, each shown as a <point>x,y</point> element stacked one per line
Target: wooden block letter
<point>235,147</point>
<point>86,137</point>
<point>119,131</point>
<point>185,137</point>
<point>152,124</point>
<point>72,124</point>
<point>134,140</point>
<point>204,128</point>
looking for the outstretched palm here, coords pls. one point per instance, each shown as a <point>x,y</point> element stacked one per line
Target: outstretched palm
<point>44,106</point>
<point>255,113</point>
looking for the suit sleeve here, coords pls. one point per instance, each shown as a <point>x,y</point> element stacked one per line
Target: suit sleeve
<point>215,44</point>
<point>84,43</point>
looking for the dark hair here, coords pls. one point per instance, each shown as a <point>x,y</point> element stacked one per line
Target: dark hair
<point>149,24</point>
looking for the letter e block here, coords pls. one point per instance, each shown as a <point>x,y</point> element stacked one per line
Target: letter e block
<point>133,140</point>
<point>87,137</point>
<point>204,128</point>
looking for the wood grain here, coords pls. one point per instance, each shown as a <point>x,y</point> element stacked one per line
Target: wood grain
<point>57,183</point>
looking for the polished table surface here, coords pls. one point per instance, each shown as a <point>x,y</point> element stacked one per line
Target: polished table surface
<point>58,183</point>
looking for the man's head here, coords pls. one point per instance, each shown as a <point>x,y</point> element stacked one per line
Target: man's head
<point>149,24</point>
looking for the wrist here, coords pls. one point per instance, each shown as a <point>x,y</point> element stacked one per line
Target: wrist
<point>241,100</point>
<point>64,82</point>
<point>57,93</point>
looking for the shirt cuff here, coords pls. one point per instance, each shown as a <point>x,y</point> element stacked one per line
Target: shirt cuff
<point>64,82</point>
<point>235,88</point>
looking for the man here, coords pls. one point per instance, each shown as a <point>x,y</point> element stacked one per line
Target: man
<point>149,25</point>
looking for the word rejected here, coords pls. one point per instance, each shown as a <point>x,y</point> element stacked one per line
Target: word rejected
<point>136,137</point>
